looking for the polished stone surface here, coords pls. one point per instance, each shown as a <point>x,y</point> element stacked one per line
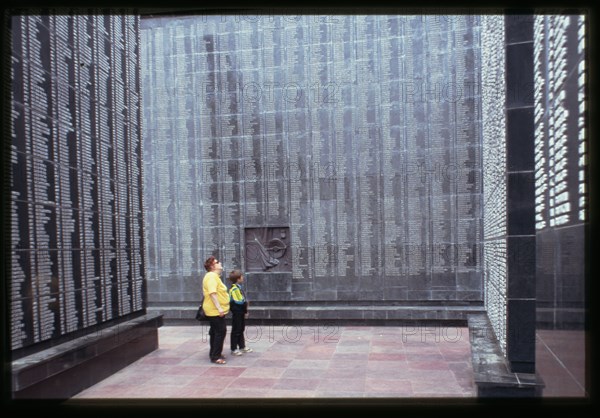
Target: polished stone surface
<point>75,252</point>
<point>302,362</point>
<point>343,362</point>
<point>64,370</point>
<point>521,204</point>
<point>493,375</point>
<point>366,164</point>
<point>339,311</point>
<point>563,362</point>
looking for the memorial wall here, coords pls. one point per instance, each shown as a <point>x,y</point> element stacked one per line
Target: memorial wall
<point>76,259</point>
<point>561,157</point>
<point>546,169</point>
<point>493,76</point>
<point>332,158</point>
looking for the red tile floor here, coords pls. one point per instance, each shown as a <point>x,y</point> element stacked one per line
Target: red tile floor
<point>333,362</point>
<point>561,362</point>
<point>302,362</point>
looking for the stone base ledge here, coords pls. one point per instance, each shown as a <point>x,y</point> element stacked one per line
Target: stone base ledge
<point>316,312</point>
<point>64,370</point>
<point>492,374</point>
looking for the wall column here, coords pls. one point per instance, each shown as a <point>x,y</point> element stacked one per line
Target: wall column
<point>520,183</point>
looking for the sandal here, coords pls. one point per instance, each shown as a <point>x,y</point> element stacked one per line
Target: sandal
<point>219,361</point>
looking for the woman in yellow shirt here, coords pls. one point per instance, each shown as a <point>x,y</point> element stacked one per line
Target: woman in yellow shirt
<point>215,306</point>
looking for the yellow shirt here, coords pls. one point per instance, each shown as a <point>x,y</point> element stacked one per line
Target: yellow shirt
<point>212,284</point>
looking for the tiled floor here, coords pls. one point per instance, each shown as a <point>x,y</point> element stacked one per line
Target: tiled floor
<point>302,362</point>
<point>561,362</point>
<point>332,362</point>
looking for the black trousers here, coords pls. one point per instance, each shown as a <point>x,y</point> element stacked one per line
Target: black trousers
<point>216,333</point>
<point>238,326</point>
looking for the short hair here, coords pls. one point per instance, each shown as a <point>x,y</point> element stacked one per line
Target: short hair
<point>234,276</point>
<point>209,263</point>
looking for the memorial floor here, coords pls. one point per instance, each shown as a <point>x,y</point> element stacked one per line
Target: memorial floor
<point>331,362</point>
<point>301,362</point>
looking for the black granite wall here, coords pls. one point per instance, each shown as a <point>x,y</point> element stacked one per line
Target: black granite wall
<point>358,136</point>
<point>535,178</point>
<point>509,201</point>
<point>76,258</point>
<point>494,87</point>
<point>562,181</point>
<point>520,194</point>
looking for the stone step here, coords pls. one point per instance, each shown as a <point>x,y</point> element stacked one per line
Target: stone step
<point>63,370</point>
<point>337,312</point>
<point>491,371</point>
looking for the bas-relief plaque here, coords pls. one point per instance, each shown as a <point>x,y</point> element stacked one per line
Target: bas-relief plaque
<point>267,249</point>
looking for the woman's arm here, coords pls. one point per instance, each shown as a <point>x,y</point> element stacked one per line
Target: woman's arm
<point>215,300</point>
